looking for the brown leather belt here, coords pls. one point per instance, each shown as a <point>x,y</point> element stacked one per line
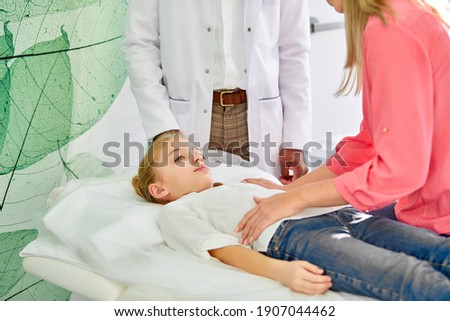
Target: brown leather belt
<point>228,98</point>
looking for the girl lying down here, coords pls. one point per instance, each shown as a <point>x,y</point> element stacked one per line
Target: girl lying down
<point>340,249</point>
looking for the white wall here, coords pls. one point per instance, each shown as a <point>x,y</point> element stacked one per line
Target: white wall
<point>340,116</point>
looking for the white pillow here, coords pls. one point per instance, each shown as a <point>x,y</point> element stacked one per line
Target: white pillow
<point>99,210</point>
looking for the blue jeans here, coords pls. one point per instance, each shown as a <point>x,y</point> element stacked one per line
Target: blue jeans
<point>388,212</point>
<point>369,255</point>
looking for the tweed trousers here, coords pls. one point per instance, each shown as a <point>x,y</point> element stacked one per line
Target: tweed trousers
<point>229,129</point>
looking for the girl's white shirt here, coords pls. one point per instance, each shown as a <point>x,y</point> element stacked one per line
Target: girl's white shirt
<point>203,221</point>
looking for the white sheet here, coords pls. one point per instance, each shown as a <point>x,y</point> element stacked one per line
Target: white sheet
<point>101,225</point>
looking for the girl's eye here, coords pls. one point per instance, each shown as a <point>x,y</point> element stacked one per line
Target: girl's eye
<point>180,158</point>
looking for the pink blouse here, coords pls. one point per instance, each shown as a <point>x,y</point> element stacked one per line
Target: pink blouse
<point>403,149</point>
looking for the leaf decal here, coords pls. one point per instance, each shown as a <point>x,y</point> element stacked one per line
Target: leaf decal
<point>31,288</point>
<point>28,191</point>
<point>10,262</point>
<point>85,165</point>
<point>6,49</point>
<point>47,77</point>
<point>16,284</point>
<point>40,116</point>
<point>61,68</point>
<point>17,10</point>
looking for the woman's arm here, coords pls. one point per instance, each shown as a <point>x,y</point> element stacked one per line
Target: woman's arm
<point>299,276</point>
<point>269,210</point>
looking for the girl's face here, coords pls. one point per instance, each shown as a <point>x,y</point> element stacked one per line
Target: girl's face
<point>337,4</point>
<point>181,170</point>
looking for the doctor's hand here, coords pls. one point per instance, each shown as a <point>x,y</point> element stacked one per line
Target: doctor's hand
<point>266,212</point>
<point>291,160</point>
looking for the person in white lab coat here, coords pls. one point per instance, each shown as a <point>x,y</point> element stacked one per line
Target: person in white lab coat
<point>179,52</point>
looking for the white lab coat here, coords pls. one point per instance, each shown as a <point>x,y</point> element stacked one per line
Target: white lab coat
<point>169,51</point>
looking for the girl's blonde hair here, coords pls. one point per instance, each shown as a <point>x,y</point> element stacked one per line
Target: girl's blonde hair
<point>147,174</point>
<point>357,13</point>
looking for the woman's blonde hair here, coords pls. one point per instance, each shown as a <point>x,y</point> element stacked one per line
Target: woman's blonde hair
<point>147,174</point>
<point>357,13</point>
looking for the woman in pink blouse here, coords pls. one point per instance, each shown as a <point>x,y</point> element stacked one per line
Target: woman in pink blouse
<point>398,53</point>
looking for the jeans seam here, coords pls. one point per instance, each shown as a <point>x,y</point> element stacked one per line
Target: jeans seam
<point>280,234</point>
<point>368,285</point>
<point>392,294</point>
<point>440,265</point>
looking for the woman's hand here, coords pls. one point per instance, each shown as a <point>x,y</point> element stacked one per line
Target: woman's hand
<point>269,210</point>
<point>303,277</point>
<point>264,183</point>
<point>266,212</point>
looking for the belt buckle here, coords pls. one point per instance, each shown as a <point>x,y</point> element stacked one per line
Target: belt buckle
<point>221,98</point>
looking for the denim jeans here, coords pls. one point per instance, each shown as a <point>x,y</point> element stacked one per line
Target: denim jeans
<point>388,212</point>
<point>369,255</point>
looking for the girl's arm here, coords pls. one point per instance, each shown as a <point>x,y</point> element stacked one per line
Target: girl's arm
<point>299,276</point>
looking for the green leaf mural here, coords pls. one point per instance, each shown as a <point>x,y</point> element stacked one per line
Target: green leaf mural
<point>31,288</point>
<point>10,263</point>
<point>85,165</point>
<point>42,94</point>
<point>61,68</point>
<point>6,49</point>
<point>13,277</point>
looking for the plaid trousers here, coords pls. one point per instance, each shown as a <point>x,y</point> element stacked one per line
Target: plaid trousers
<point>229,129</point>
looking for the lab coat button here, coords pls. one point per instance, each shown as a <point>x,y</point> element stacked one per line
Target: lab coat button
<point>249,29</point>
<point>207,71</point>
<point>209,29</point>
<point>205,111</point>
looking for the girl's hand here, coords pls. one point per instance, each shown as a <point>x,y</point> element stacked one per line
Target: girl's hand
<point>264,183</point>
<point>304,277</point>
<point>266,212</point>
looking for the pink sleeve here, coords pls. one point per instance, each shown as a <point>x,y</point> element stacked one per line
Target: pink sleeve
<point>351,152</point>
<point>398,104</point>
